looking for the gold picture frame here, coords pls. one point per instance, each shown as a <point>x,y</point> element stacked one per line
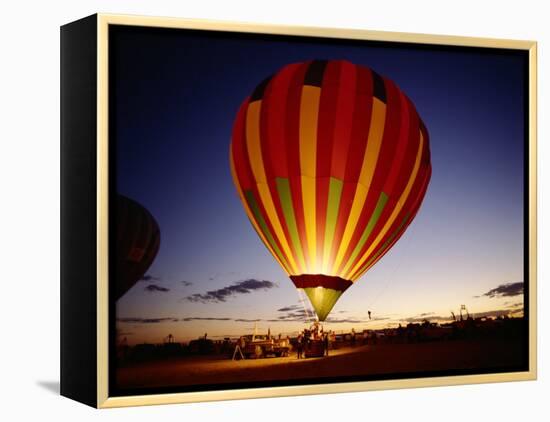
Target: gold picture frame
<point>102,399</point>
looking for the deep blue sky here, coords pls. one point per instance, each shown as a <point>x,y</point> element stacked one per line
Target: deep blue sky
<point>176,94</point>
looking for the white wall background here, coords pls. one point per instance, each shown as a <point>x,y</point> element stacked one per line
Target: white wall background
<point>29,235</point>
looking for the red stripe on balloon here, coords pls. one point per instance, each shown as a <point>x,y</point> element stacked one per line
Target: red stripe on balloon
<point>277,97</point>
<point>242,162</point>
<point>357,148</point>
<point>326,124</point>
<point>411,207</point>
<point>360,126</point>
<point>383,167</point>
<point>401,148</point>
<point>266,113</point>
<point>388,148</point>
<point>344,119</point>
<point>406,148</point>
<point>292,139</point>
<point>412,210</point>
<point>327,118</point>
<point>409,158</point>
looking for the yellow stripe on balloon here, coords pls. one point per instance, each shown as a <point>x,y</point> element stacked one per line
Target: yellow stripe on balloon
<point>374,142</point>
<point>309,113</point>
<point>308,199</point>
<point>256,162</point>
<point>250,215</point>
<point>253,141</point>
<point>398,206</point>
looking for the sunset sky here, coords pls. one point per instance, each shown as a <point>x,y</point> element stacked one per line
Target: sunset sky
<point>176,94</point>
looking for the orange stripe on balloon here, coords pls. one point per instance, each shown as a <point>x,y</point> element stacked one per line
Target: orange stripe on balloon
<point>400,166</point>
<point>249,212</point>
<point>396,210</point>
<point>360,127</point>
<point>256,162</point>
<point>270,110</point>
<point>330,90</point>
<point>292,148</point>
<point>309,108</point>
<point>341,140</point>
<point>414,210</point>
<point>374,142</point>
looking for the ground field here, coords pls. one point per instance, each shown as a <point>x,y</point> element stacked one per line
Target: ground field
<point>361,360</point>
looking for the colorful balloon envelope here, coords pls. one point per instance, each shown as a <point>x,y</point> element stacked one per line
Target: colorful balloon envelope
<point>137,243</point>
<point>331,162</point>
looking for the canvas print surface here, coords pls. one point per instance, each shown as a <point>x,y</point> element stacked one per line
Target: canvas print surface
<point>289,210</point>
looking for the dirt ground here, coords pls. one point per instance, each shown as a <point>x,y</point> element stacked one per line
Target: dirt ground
<point>361,360</point>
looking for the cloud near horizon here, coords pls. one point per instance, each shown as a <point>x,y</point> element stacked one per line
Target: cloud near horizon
<point>296,313</point>
<point>156,288</point>
<point>302,317</point>
<point>345,320</point>
<point>137,320</point>
<point>430,318</point>
<point>149,277</point>
<point>293,314</point>
<point>289,308</point>
<point>187,319</point>
<point>238,288</point>
<point>506,290</point>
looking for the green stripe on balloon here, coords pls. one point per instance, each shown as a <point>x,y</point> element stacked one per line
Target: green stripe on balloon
<point>382,201</point>
<point>333,205</point>
<point>263,225</point>
<point>283,189</point>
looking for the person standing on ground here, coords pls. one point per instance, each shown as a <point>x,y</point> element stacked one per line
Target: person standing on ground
<point>299,346</point>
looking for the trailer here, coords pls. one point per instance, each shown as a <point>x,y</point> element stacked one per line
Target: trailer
<point>315,349</point>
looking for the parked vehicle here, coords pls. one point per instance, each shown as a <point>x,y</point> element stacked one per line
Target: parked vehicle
<point>263,346</point>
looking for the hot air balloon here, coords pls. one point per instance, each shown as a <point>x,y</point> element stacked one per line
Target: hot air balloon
<point>331,162</point>
<point>137,243</point>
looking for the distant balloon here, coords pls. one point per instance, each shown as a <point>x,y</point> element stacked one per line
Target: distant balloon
<point>137,243</point>
<point>331,162</point>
